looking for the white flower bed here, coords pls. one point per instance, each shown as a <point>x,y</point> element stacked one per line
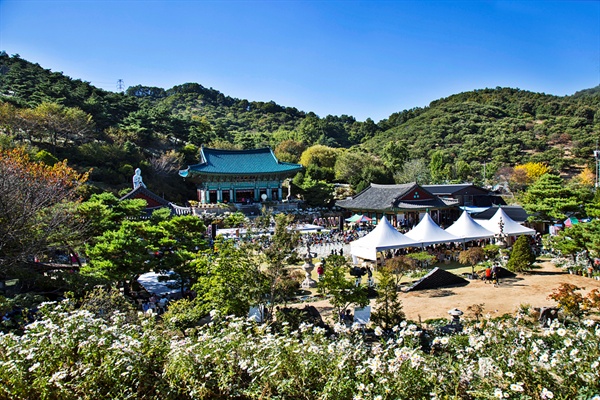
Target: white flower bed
<point>76,355</point>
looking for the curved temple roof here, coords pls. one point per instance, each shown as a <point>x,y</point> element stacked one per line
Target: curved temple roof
<point>239,162</point>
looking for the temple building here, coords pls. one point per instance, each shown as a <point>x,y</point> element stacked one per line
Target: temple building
<point>239,176</point>
<point>403,204</point>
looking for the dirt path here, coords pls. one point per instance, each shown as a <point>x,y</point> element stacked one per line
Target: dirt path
<point>532,288</point>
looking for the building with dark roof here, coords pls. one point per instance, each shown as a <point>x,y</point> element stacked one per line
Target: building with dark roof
<point>154,201</point>
<point>516,213</point>
<point>402,204</point>
<point>239,176</point>
<point>466,194</point>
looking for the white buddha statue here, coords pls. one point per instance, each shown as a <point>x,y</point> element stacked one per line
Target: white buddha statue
<point>137,179</point>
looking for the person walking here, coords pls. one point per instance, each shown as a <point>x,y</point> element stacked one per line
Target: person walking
<point>495,279</point>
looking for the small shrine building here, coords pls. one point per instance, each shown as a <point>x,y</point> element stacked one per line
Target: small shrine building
<point>239,176</point>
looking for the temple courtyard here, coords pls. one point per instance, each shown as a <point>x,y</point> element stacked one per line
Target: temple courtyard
<point>525,289</point>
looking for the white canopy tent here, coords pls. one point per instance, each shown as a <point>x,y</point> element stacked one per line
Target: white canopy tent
<point>510,227</point>
<point>383,237</point>
<point>427,232</point>
<point>466,229</point>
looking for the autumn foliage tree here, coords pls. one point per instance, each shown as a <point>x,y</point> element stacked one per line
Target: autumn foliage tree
<point>526,174</point>
<point>36,206</point>
<point>472,257</point>
<point>572,302</point>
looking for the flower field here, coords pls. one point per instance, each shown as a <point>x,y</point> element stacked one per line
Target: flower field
<point>73,354</point>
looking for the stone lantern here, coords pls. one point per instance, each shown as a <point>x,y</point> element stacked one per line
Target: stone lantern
<point>308,267</point>
<point>455,313</point>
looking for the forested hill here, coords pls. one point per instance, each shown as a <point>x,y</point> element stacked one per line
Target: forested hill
<point>502,126</point>
<point>160,130</point>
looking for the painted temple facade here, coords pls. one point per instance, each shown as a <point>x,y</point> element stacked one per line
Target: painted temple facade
<point>239,176</point>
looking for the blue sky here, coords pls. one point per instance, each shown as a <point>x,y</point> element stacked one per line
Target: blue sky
<point>368,59</point>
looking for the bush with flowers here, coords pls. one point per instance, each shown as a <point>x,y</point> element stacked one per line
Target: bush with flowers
<point>74,354</point>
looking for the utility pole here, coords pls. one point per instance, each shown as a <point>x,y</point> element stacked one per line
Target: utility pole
<point>120,85</point>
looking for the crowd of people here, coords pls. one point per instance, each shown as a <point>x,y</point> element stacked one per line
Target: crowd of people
<point>335,241</point>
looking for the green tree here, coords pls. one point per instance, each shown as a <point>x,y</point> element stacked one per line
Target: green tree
<point>180,242</point>
<point>317,193</point>
<point>124,254</point>
<point>578,238</point>
<point>394,155</point>
<point>349,166</point>
<point>415,170</point>
<point>234,220</point>
<point>436,167</point>
<point>521,257</point>
<point>388,312</point>
<point>277,251</point>
<point>342,291</point>
<point>59,122</point>
<point>105,212</point>
<point>319,155</point>
<point>230,279</point>
<point>549,199</point>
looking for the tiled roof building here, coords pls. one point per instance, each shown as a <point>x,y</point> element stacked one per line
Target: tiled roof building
<point>154,201</point>
<point>402,203</point>
<point>239,176</point>
<point>466,194</point>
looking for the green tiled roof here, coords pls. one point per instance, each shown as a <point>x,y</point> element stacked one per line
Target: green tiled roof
<point>239,162</point>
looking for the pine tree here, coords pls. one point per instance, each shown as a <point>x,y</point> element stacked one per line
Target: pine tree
<point>388,312</point>
<point>521,257</point>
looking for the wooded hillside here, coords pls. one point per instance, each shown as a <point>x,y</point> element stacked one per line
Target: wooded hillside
<point>160,131</point>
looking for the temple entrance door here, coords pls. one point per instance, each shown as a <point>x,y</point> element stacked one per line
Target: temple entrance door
<point>274,194</point>
<point>226,198</point>
<point>212,196</point>
<point>244,196</point>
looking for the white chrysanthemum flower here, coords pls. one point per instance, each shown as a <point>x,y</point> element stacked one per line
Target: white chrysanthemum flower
<point>444,340</point>
<point>517,387</point>
<point>589,322</point>
<point>498,393</point>
<point>568,342</point>
<point>318,330</point>
<point>546,394</point>
<point>561,332</point>
<point>378,331</point>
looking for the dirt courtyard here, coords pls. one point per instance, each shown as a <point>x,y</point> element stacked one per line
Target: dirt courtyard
<point>532,288</point>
